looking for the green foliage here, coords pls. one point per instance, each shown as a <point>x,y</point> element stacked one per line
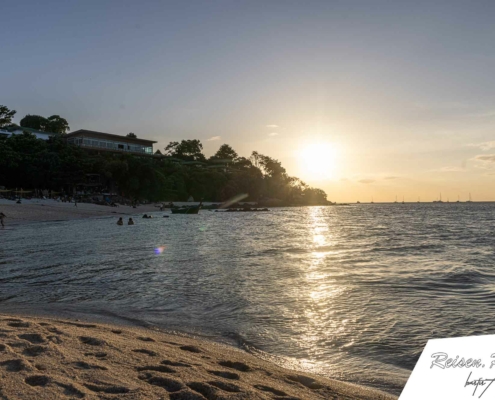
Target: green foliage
<point>187,150</point>
<point>225,152</point>
<point>6,116</point>
<point>131,135</point>
<point>33,163</point>
<point>55,123</point>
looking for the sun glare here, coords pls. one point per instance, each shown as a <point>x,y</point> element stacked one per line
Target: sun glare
<point>318,161</point>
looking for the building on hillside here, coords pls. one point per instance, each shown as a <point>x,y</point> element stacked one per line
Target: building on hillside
<point>18,130</point>
<point>92,140</point>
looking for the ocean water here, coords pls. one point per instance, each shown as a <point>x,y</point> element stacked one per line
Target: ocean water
<point>349,292</point>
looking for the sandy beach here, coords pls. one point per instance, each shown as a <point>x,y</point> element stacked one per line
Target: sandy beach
<point>37,210</point>
<point>46,358</point>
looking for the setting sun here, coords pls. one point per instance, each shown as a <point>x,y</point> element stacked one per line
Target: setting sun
<point>318,161</point>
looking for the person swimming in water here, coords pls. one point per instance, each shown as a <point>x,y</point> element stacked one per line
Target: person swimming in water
<point>120,222</point>
<point>2,216</point>
<point>131,222</point>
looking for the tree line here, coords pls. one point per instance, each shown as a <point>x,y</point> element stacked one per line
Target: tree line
<point>32,163</point>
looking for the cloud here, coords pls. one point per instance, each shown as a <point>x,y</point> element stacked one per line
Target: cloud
<point>273,134</point>
<point>451,169</point>
<point>272,126</point>
<point>391,177</point>
<point>213,138</point>
<point>484,146</point>
<point>486,158</point>
<point>366,181</point>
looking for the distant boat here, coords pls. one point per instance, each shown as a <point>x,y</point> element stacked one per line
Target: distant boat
<point>419,201</point>
<point>395,199</point>
<point>187,209</point>
<point>402,199</point>
<point>358,202</point>
<point>469,201</point>
<point>372,202</point>
<point>458,200</point>
<point>438,201</point>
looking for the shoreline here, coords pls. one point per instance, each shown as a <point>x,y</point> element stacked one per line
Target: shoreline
<point>50,357</point>
<point>30,211</point>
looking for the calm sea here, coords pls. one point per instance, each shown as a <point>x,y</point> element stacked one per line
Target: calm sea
<point>349,292</point>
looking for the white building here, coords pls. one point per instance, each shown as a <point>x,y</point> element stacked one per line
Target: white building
<point>18,130</point>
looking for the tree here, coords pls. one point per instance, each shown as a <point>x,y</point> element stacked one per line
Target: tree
<point>131,135</point>
<point>6,116</point>
<point>57,124</point>
<point>34,122</point>
<point>225,152</point>
<point>188,150</point>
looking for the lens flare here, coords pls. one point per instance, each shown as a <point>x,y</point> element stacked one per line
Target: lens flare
<point>234,200</point>
<point>159,250</point>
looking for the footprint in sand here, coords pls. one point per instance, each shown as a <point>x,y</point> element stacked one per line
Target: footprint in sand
<point>55,339</point>
<point>159,368</point>
<point>191,349</point>
<point>110,389</point>
<point>55,330</point>
<point>92,341</point>
<point>239,366</point>
<point>16,365</point>
<point>85,365</point>
<point>37,380</point>
<point>185,395</point>
<point>270,390</point>
<point>71,391</point>
<point>203,388</point>
<point>146,339</point>
<point>228,387</point>
<point>150,353</point>
<point>310,383</point>
<point>97,355</point>
<point>19,324</point>
<point>175,363</point>
<point>225,374</point>
<point>33,338</point>
<point>34,351</point>
<point>170,385</point>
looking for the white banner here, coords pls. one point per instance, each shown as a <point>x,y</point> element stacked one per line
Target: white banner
<point>454,369</point>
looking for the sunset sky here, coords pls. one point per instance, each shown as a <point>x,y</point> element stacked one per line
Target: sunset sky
<point>393,98</point>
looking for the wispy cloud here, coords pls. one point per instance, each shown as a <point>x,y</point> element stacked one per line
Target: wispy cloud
<point>366,181</point>
<point>213,138</point>
<point>273,134</point>
<point>486,158</point>
<point>272,126</point>
<point>484,146</point>
<point>451,169</point>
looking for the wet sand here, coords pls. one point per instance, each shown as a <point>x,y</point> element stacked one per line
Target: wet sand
<point>51,210</point>
<point>51,358</point>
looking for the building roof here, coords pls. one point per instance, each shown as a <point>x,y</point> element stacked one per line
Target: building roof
<point>109,136</point>
<point>13,128</point>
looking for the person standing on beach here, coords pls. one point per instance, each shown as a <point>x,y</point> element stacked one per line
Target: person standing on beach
<point>2,216</point>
